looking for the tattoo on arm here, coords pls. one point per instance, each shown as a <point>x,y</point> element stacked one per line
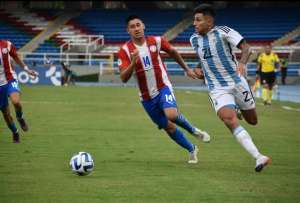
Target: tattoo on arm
<point>245,52</point>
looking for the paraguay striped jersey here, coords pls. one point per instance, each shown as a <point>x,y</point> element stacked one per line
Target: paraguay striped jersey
<point>150,71</point>
<point>7,50</point>
<point>216,58</point>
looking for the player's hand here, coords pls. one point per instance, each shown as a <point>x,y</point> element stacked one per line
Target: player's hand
<point>32,73</point>
<point>241,69</point>
<point>191,73</point>
<point>135,56</point>
<point>199,73</point>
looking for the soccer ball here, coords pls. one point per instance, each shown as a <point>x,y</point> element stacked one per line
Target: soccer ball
<point>82,163</point>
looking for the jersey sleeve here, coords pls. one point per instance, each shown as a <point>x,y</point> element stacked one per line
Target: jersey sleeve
<point>232,36</point>
<point>276,58</point>
<point>123,59</point>
<point>193,42</point>
<point>165,45</point>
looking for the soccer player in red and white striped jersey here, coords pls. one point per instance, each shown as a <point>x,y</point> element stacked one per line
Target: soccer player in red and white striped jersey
<point>141,57</point>
<point>10,87</point>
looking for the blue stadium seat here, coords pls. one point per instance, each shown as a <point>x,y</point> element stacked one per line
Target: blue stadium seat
<point>111,23</point>
<point>13,34</point>
<point>254,23</point>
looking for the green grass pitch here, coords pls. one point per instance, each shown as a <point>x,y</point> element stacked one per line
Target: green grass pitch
<point>134,161</point>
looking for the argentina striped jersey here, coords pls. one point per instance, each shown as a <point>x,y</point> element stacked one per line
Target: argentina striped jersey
<point>214,50</point>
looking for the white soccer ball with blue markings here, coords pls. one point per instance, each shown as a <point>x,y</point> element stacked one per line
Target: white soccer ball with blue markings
<point>82,163</point>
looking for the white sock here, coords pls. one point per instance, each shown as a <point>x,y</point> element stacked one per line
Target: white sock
<point>245,140</point>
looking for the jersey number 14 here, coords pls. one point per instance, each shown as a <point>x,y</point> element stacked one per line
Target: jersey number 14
<point>147,64</point>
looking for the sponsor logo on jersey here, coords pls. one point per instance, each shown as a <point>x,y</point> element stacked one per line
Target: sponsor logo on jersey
<point>152,48</point>
<point>4,51</point>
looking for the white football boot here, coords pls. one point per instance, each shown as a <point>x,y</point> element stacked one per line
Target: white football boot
<point>261,162</point>
<point>202,135</point>
<point>193,159</point>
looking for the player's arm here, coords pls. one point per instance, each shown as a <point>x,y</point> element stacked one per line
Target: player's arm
<point>245,48</point>
<point>198,71</point>
<point>18,60</point>
<point>236,39</point>
<point>126,72</point>
<point>175,54</point>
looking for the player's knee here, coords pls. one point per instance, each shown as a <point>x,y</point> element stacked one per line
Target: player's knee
<point>229,121</point>
<point>170,128</point>
<point>172,116</point>
<point>15,101</point>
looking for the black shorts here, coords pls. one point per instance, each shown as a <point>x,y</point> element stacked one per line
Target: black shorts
<point>267,78</point>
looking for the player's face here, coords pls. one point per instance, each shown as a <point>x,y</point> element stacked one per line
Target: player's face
<point>201,23</point>
<point>136,28</point>
<point>268,49</point>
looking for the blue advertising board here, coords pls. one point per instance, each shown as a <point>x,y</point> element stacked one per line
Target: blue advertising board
<point>47,76</point>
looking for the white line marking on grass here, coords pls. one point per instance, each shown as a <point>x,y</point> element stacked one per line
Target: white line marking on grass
<point>290,108</point>
<point>70,103</point>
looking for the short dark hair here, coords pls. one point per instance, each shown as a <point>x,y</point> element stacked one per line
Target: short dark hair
<point>132,17</point>
<point>206,9</point>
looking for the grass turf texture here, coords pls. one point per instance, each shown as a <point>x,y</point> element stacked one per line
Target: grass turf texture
<point>134,161</point>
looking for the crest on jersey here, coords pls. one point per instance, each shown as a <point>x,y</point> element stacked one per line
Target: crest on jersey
<point>119,62</point>
<point>4,51</point>
<point>152,48</point>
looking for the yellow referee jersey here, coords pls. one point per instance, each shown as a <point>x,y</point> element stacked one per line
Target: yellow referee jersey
<point>268,62</point>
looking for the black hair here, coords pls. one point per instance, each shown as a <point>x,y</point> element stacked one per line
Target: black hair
<point>132,17</point>
<point>205,9</point>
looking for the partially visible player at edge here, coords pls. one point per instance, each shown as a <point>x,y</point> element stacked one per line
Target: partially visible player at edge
<point>224,76</point>
<point>141,56</point>
<point>10,86</point>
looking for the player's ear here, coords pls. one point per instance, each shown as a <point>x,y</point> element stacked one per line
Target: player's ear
<point>144,27</point>
<point>208,19</point>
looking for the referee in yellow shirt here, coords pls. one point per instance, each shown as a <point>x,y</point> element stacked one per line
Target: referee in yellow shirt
<point>267,65</point>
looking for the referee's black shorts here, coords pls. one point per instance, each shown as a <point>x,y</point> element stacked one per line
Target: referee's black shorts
<point>267,78</point>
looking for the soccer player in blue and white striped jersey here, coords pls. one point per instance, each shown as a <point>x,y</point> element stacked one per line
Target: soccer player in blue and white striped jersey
<point>224,76</point>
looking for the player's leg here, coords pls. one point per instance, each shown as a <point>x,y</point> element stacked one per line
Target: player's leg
<point>271,83</point>
<point>14,94</point>
<point>225,107</point>
<point>250,116</point>
<point>158,117</point>
<point>228,116</point>
<point>176,135</point>
<point>10,124</point>
<point>245,102</point>
<point>6,113</point>
<point>265,88</point>
<point>169,105</point>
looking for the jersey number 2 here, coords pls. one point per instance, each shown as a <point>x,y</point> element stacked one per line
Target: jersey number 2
<point>247,96</point>
<point>207,53</point>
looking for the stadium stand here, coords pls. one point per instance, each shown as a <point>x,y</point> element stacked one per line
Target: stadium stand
<point>267,26</point>
<point>112,23</point>
<point>264,29</point>
<point>22,26</point>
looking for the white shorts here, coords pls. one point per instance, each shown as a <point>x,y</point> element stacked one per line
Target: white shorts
<point>239,95</point>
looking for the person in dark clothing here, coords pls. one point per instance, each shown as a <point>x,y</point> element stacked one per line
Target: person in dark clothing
<point>283,68</point>
<point>67,74</point>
